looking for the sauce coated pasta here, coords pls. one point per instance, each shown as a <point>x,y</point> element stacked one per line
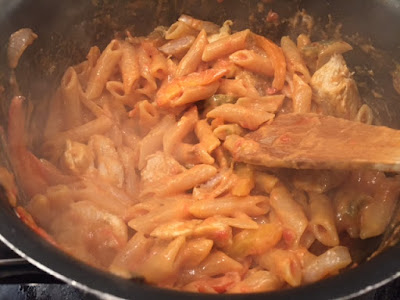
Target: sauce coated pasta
<point>134,176</point>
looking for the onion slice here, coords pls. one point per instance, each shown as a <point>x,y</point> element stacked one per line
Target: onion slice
<point>17,44</point>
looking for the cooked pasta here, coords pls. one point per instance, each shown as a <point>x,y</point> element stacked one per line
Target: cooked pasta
<point>133,175</point>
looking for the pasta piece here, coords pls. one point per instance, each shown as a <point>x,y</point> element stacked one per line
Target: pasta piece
<point>216,186</point>
<point>238,88</point>
<point>84,68</point>
<point>275,54</point>
<point>224,130</point>
<point>126,262</point>
<point>158,65</point>
<point>252,61</point>
<point>289,212</point>
<point>229,205</point>
<point>241,221</point>
<point>129,66</point>
<point>327,263</point>
<point>180,129</point>
<point>178,30</point>
<point>322,221</point>
<point>267,103</point>
<point>215,229</point>
<point>245,117</point>
<point>226,45</point>
<point>183,181</point>
<point>103,70</point>
<point>256,282</point>
<point>116,89</point>
<point>161,266</point>
<point>175,210</point>
<point>192,58</point>
<point>71,92</point>
<point>153,141</point>
<point>218,263</point>
<point>255,241</point>
<point>199,25</point>
<point>192,154</point>
<point>213,285</point>
<point>194,252</point>
<point>174,229</point>
<point>190,88</point>
<point>147,82</point>
<point>331,48</point>
<point>147,115</point>
<point>295,62</point>
<point>212,228</point>
<point>284,264</point>
<point>206,137</point>
<point>301,96</point>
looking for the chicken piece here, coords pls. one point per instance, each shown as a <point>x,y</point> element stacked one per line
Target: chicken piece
<point>158,167</point>
<point>90,233</point>
<point>107,160</point>
<point>77,158</point>
<point>334,90</point>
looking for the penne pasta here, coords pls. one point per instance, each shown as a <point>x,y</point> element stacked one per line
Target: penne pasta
<point>103,69</point>
<point>192,59</point>
<point>327,263</point>
<point>277,58</point>
<point>245,117</point>
<point>229,205</point>
<point>295,62</point>
<point>129,66</point>
<point>322,220</point>
<point>71,92</point>
<point>289,213</point>
<point>250,60</point>
<point>301,95</point>
<point>226,45</point>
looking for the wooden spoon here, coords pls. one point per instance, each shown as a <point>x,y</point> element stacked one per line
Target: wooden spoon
<point>313,141</point>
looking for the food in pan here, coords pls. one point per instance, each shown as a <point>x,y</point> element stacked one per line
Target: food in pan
<point>134,174</point>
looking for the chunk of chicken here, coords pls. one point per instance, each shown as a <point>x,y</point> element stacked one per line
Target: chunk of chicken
<point>77,158</point>
<point>334,90</point>
<point>90,233</point>
<point>107,159</point>
<point>158,167</point>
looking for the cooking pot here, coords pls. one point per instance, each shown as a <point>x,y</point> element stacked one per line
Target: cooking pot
<point>67,29</point>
